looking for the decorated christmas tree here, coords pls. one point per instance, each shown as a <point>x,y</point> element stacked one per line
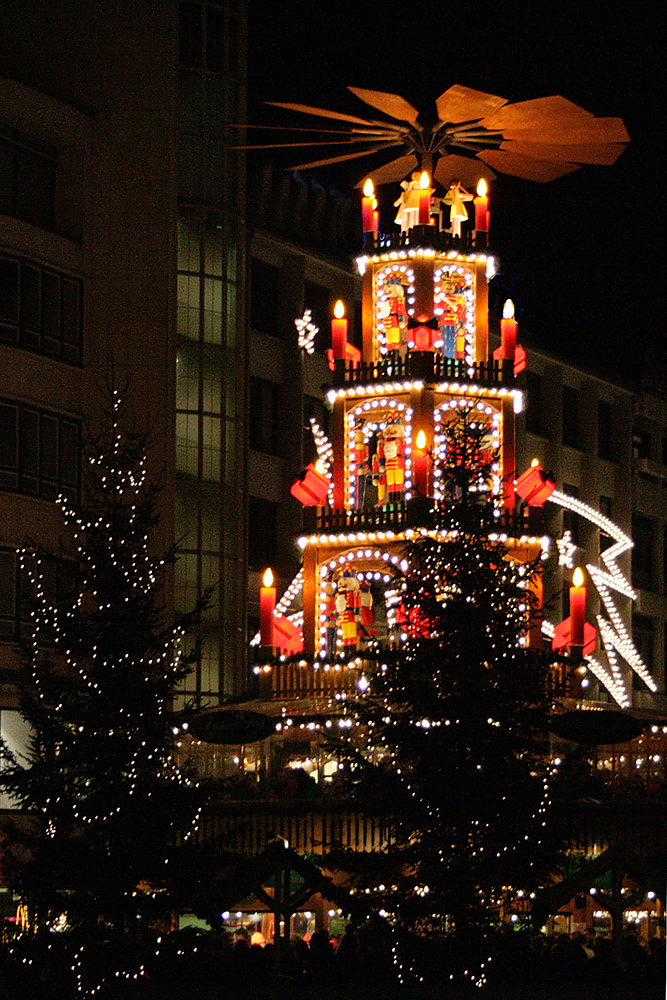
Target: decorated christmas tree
<point>454,718</point>
<point>99,792</point>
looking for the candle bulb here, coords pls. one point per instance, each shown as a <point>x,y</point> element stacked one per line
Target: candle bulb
<point>367,207</point>
<point>267,604</point>
<point>420,464</point>
<point>508,327</point>
<point>481,203</point>
<point>339,330</point>
<point>424,200</point>
<point>577,608</point>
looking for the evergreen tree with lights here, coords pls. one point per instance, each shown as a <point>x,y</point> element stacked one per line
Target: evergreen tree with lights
<point>454,718</point>
<point>100,794</point>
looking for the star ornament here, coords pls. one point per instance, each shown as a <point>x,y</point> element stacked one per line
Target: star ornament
<point>471,135</point>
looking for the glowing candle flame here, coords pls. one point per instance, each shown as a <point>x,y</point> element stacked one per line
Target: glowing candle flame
<point>535,462</point>
<point>267,579</point>
<point>508,309</point>
<point>369,190</point>
<point>339,309</point>
<point>421,441</point>
<point>424,181</point>
<point>578,577</point>
<point>482,188</point>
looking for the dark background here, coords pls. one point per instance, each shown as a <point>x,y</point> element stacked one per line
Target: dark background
<point>582,256</point>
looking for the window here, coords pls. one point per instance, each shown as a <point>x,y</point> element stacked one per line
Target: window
<point>643,637</point>
<point>604,430</point>
<point>58,583</point>
<point>570,416</point>
<point>642,553</point>
<point>570,519</point>
<point>641,444</point>
<point>202,36</point>
<point>533,403</point>
<point>39,452</point>
<point>27,184</point>
<point>605,508</point>
<point>40,309</point>
<point>9,599</point>
<point>263,416</point>
<point>262,533</point>
<point>264,281</point>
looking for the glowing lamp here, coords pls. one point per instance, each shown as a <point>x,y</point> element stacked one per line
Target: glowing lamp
<point>481,203</point>
<point>312,488</point>
<point>535,486</point>
<point>339,331</point>
<point>422,332</point>
<point>424,199</point>
<point>577,608</point>
<point>508,328</point>
<point>420,464</point>
<point>267,604</point>
<point>257,938</point>
<point>367,207</point>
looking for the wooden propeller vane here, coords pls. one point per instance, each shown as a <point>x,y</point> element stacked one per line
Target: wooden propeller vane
<point>472,135</point>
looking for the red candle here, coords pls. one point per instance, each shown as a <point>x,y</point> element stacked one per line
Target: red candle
<point>339,331</point>
<point>267,604</point>
<point>376,218</point>
<point>367,213</point>
<point>424,200</point>
<point>420,464</point>
<point>508,328</point>
<point>577,608</point>
<point>481,203</point>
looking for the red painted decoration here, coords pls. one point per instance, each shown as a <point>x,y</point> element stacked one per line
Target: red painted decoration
<point>421,461</point>
<point>352,354</point>
<point>535,486</point>
<point>267,604</point>
<point>312,489</point>
<point>563,632</point>
<point>481,203</point>
<point>286,636</point>
<point>577,608</point>
<point>339,331</point>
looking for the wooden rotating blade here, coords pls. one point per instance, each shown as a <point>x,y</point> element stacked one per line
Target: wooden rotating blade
<point>390,104</point>
<point>528,167</point>
<point>596,130</point>
<point>323,113</point>
<point>462,168</point>
<point>392,172</point>
<point>539,111</point>
<point>604,153</point>
<point>338,159</point>
<point>390,141</point>
<point>462,104</point>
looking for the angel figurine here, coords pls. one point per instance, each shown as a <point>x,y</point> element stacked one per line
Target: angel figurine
<point>458,213</point>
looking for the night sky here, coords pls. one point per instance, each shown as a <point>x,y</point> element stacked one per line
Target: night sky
<point>580,256</point>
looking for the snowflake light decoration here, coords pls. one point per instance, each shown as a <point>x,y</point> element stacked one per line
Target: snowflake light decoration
<point>566,550</point>
<point>306,332</point>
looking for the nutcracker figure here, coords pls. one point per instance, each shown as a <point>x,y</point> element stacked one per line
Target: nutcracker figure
<point>362,466</point>
<point>394,459</point>
<point>348,605</point>
<point>393,314</point>
<point>367,618</point>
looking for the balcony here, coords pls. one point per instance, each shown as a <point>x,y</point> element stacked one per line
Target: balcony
<point>419,511</point>
<point>427,366</point>
<point>468,243</point>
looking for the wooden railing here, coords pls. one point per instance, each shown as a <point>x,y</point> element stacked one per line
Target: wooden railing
<point>293,681</point>
<point>427,236</point>
<point>323,825</point>
<point>418,511</point>
<point>426,365</point>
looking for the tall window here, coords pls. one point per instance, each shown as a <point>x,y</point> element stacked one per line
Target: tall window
<point>534,403</point>
<point>604,430</point>
<point>263,416</point>
<point>39,452</point>
<point>570,416</point>
<point>643,635</point>
<point>264,281</point>
<point>208,38</point>
<point>40,309</point>
<point>606,509</point>
<point>262,533</point>
<point>570,519</point>
<point>642,553</point>
<point>27,183</point>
